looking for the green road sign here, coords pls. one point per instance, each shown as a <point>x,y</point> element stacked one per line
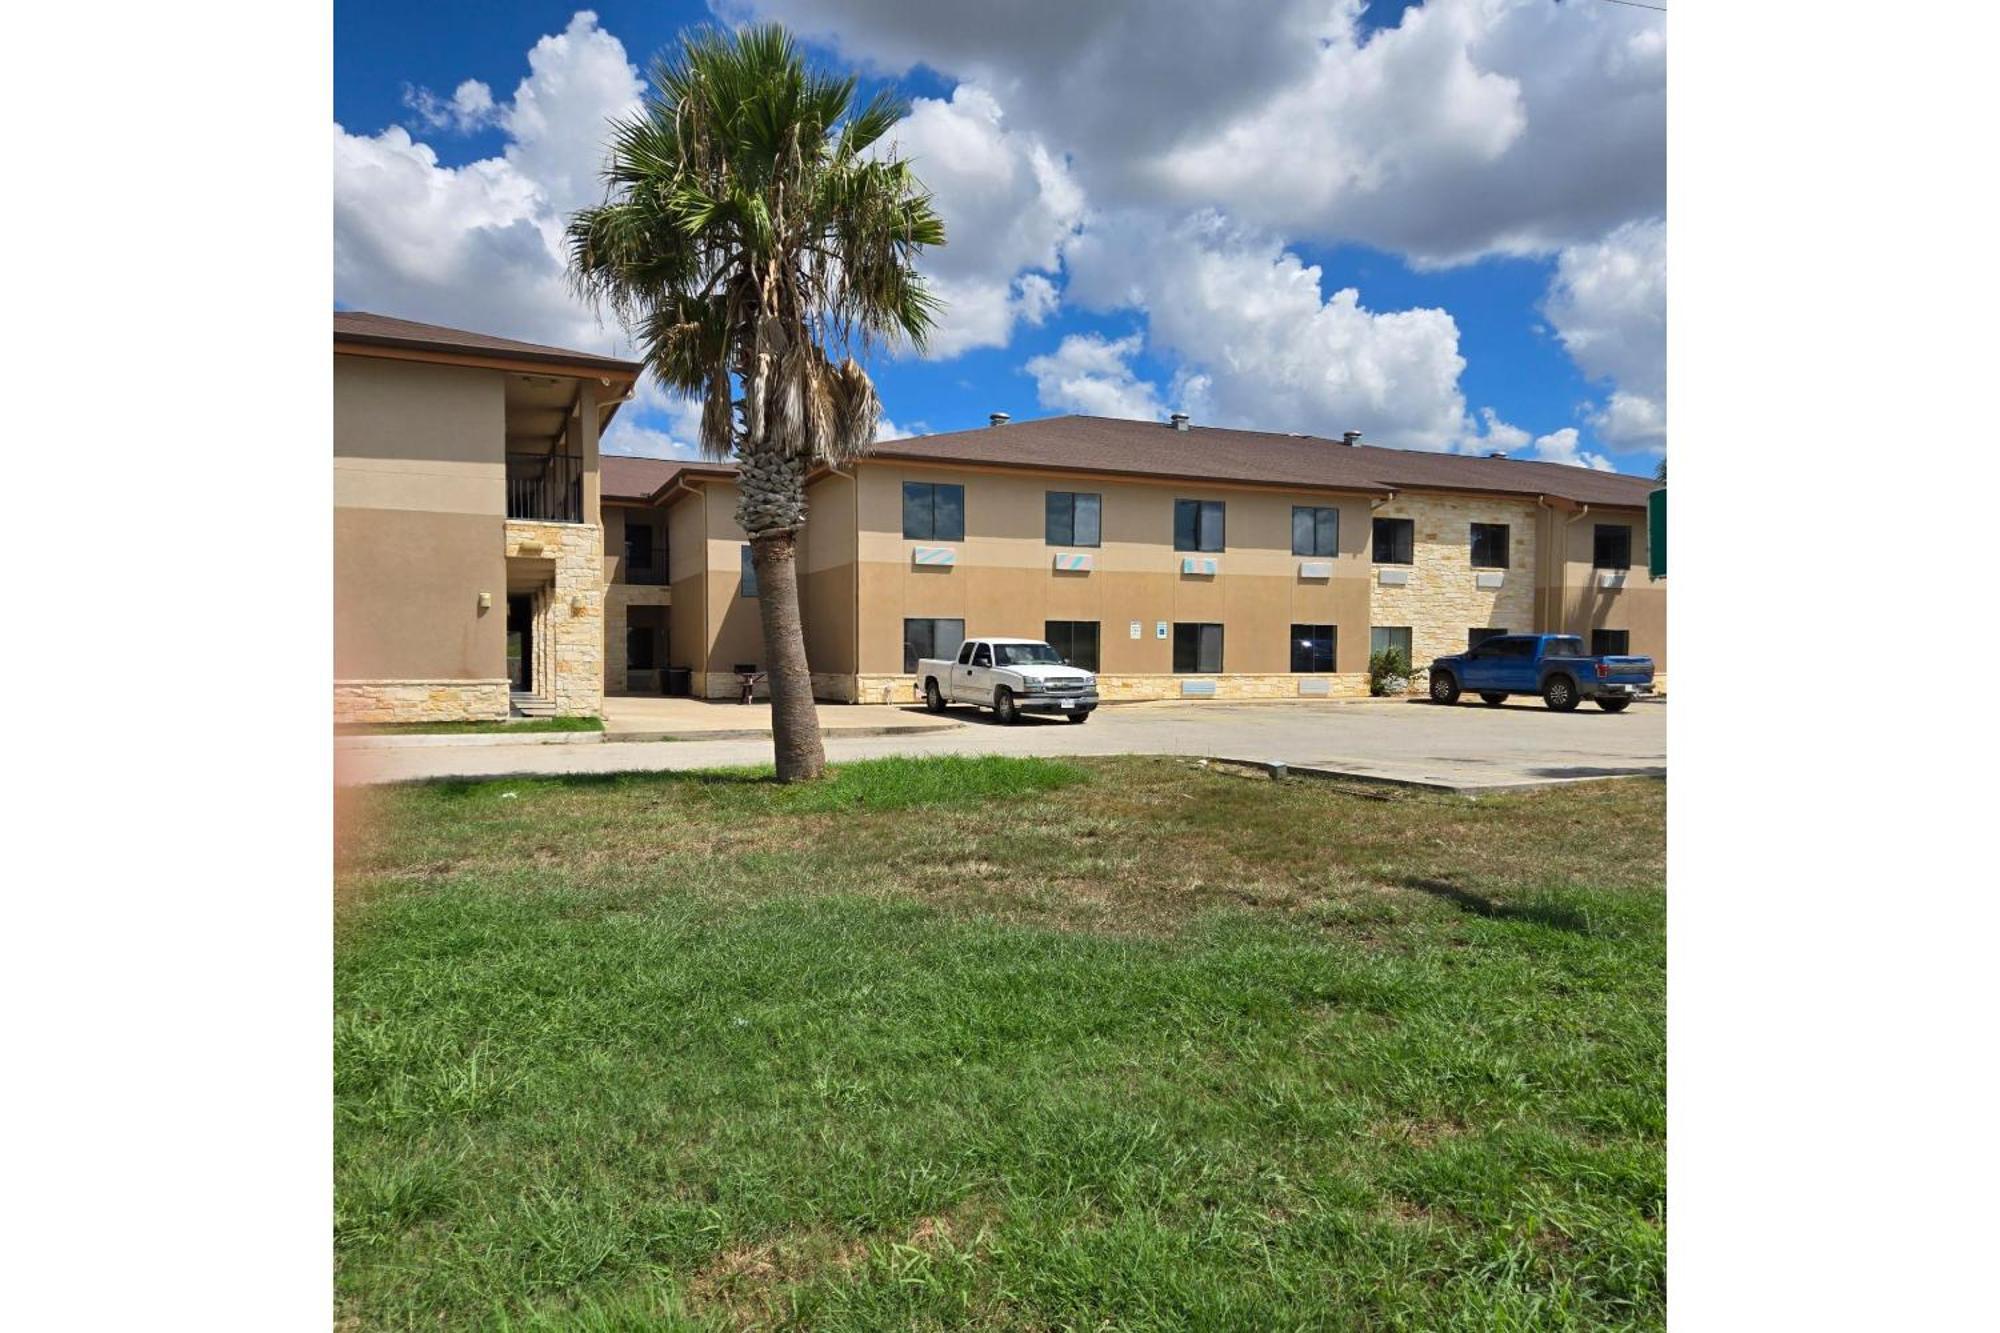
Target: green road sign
<point>1656,533</point>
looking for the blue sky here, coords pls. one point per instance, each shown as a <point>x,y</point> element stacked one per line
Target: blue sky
<point>1137,202</point>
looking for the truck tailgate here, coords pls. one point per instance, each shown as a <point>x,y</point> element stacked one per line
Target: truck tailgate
<point>1626,670</point>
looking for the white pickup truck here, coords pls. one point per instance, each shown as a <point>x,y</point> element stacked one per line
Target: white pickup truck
<point>1010,676</point>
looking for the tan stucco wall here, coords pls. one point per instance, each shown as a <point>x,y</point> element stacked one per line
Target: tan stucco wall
<point>1004,581</point>
<point>1442,599</point>
<point>687,580</point>
<point>1640,606</point>
<point>827,576</point>
<point>734,633</point>
<point>419,494</point>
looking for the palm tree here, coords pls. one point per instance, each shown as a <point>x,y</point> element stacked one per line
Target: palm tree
<point>747,239</point>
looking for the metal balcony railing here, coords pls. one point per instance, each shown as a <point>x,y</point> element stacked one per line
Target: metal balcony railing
<point>644,564</point>
<point>546,487</point>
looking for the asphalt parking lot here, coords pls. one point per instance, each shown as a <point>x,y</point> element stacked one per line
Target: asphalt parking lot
<point>1469,747</point>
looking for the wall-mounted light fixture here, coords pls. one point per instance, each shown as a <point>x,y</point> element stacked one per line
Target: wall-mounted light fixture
<point>576,606</point>
<point>485,601</point>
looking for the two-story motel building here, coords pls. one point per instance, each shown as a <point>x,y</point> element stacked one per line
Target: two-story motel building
<point>488,560</point>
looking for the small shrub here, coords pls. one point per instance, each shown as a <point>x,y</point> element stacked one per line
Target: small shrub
<point>1389,672</point>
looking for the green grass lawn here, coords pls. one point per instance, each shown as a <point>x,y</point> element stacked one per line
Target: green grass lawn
<point>513,726</point>
<point>999,1044</point>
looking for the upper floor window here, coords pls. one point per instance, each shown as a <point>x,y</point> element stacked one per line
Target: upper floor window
<point>933,511</point>
<point>638,544</point>
<point>1613,547</point>
<point>1315,530</point>
<point>1395,541</point>
<point>1074,518</point>
<point>1489,545</point>
<point>1197,525</point>
<point>749,588</point>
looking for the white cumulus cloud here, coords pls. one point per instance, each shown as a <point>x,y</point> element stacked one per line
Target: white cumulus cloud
<point>1093,375</point>
<point>1608,306</point>
<point>1561,447</point>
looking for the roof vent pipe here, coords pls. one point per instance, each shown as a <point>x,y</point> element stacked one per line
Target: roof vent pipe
<point>998,419</point>
<point>1350,438</point>
<point>1179,420</point>
<point>1497,453</point>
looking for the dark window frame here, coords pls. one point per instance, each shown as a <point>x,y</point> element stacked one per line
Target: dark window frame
<point>1308,643</point>
<point>920,511</point>
<point>1059,515</point>
<point>1200,510</point>
<point>1597,545</point>
<point>1403,528</point>
<point>1066,632</point>
<point>1321,536</point>
<point>912,650</point>
<point>1200,642</point>
<point>1486,532</point>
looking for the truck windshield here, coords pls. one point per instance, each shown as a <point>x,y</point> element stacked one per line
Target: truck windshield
<point>1026,654</point>
<point>1564,646</point>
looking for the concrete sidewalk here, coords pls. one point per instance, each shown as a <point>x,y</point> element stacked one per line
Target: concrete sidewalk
<point>657,718</point>
<point>1467,748</point>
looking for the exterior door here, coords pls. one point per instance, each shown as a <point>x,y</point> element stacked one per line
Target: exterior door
<point>520,645</point>
<point>1513,663</point>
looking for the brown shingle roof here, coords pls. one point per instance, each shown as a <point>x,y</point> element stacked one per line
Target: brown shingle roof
<point>627,478</point>
<point>359,326</point>
<point>1208,453</point>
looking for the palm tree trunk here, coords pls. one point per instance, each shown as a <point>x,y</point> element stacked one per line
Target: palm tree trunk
<point>794,722</point>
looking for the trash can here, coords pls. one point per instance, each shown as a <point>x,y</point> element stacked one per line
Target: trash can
<point>677,681</point>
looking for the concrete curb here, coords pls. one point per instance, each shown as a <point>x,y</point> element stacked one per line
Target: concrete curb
<point>430,742</point>
<point>1275,769</point>
<point>764,733</point>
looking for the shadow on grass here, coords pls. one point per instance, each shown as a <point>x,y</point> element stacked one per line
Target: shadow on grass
<point>1555,916</point>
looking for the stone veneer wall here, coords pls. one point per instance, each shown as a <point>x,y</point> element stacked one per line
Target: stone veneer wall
<point>569,616</point>
<point>356,701</point>
<point>873,689</point>
<point>1442,600</point>
<point>618,597</point>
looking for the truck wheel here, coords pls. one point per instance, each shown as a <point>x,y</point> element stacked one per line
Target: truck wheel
<point>1559,693</point>
<point>1613,705</point>
<point>1494,700</point>
<point>1004,707</point>
<point>933,699</point>
<point>1444,687</point>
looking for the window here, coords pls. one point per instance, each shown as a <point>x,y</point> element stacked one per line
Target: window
<point>1074,640</point>
<point>1613,548</point>
<point>1197,525</point>
<point>1395,541</point>
<point>1074,518</point>
<point>965,653</point>
<point>1312,646</point>
<point>1475,637</point>
<point>749,575</point>
<point>1384,637</point>
<point>1489,545</point>
<point>1523,646</point>
<point>933,511</point>
<point>982,654</point>
<point>1315,530</point>
<point>639,648</point>
<point>1567,645</point>
<point>1197,648</point>
<point>1610,642</point>
<point>931,638</point>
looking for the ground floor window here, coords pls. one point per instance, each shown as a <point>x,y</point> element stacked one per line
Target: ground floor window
<point>1382,638</point>
<point>931,638</point>
<point>1475,637</point>
<point>1312,647</point>
<point>1610,642</point>
<point>749,574</point>
<point>1075,641</point>
<point>1197,648</point>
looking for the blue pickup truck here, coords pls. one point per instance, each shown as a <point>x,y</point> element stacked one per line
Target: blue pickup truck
<point>1551,665</point>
